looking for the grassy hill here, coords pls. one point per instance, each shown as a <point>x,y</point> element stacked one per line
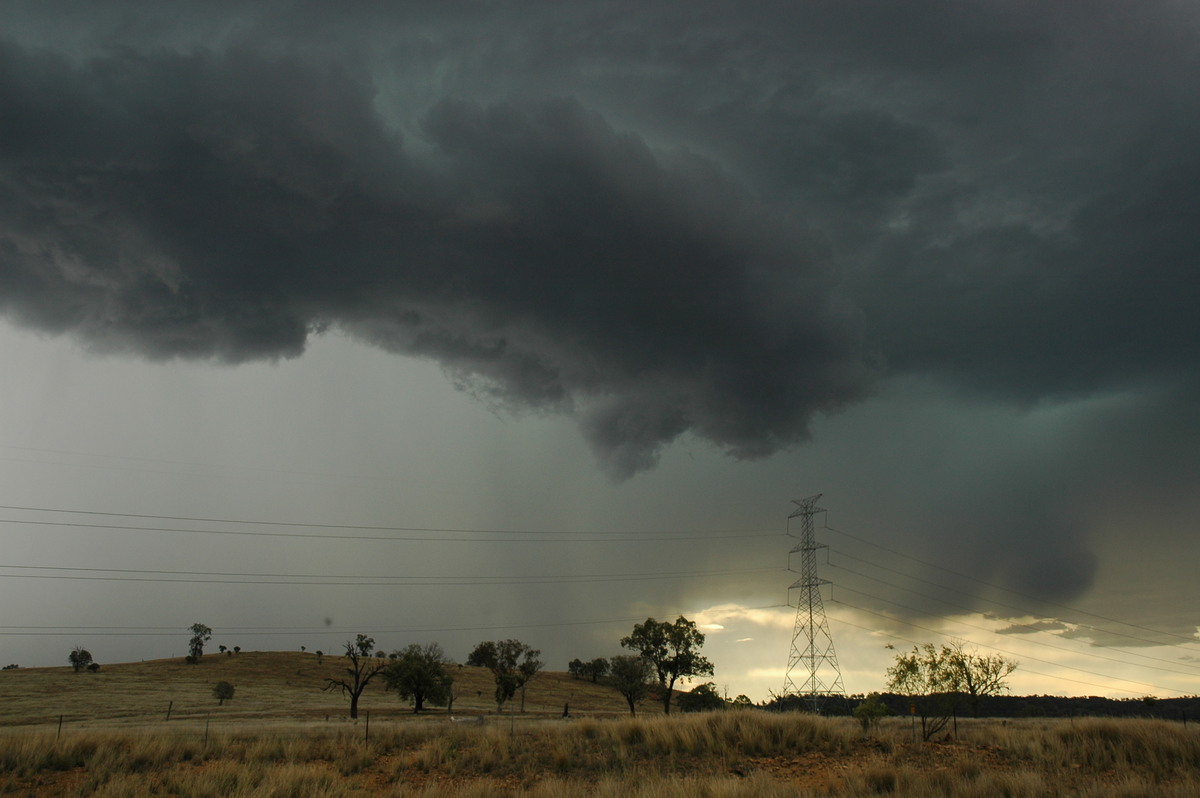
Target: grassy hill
<point>270,686</point>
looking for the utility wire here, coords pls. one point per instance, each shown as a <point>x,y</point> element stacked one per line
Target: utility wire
<point>349,580</point>
<point>170,631</point>
<point>534,535</point>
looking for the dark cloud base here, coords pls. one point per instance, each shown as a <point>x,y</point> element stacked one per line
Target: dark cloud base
<point>227,206</point>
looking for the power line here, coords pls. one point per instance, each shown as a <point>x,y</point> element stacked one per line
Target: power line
<point>171,631</point>
<point>535,536</point>
<point>351,580</point>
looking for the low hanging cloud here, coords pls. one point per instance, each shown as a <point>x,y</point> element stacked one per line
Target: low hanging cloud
<point>705,221</point>
<point>225,206</point>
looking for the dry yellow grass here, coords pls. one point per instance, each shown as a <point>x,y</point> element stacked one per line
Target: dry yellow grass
<point>115,742</point>
<point>271,685</point>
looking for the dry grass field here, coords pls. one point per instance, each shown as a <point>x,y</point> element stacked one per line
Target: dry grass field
<point>270,686</point>
<point>274,739</point>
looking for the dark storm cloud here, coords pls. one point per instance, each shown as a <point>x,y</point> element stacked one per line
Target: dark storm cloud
<point>227,205</point>
<point>657,220</point>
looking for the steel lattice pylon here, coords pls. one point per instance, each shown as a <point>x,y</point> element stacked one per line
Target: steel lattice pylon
<point>812,643</point>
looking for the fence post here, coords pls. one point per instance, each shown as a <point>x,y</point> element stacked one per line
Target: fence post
<point>367,736</point>
<point>169,705</point>
<point>59,732</point>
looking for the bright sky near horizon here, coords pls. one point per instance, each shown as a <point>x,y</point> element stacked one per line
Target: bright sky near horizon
<point>471,320</point>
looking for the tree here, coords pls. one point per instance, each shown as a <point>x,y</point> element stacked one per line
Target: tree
<point>631,675</point>
<point>513,664</point>
<point>869,711</point>
<point>363,667</point>
<point>419,674</point>
<point>975,674</point>
<point>597,669</point>
<point>702,698</point>
<point>672,649</point>
<point>201,634</point>
<point>222,691</point>
<point>79,658</point>
<point>529,667</point>
<point>923,678</point>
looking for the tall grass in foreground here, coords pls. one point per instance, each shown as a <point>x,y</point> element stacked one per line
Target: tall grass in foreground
<point>735,754</point>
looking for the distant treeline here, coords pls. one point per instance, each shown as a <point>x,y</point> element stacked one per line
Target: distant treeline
<point>1022,706</point>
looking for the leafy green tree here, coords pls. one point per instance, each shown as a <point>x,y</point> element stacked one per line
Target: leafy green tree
<point>201,634</point>
<point>869,711</point>
<point>512,663</point>
<point>743,700</point>
<point>702,698</point>
<point>631,675</point>
<point>223,691</point>
<point>419,674</point>
<point>597,669</point>
<point>672,649</point>
<point>79,658</point>
<point>361,670</point>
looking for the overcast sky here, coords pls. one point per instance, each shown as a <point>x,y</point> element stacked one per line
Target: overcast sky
<point>469,320</point>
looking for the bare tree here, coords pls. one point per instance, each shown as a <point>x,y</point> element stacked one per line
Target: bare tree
<point>363,667</point>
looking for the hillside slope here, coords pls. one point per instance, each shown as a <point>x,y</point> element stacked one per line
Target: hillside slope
<point>270,685</point>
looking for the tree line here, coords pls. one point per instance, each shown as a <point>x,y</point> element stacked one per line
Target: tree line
<point>932,684</point>
<point>665,652</point>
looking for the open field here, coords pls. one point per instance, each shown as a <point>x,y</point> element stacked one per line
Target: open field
<point>270,685</point>
<point>275,741</point>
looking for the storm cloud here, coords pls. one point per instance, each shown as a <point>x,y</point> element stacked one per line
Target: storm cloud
<point>226,206</point>
<point>714,222</point>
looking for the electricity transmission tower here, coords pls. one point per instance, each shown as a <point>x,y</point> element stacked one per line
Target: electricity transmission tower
<point>812,644</point>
